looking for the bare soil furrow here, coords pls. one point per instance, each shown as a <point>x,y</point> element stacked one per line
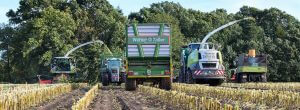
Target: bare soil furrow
<point>62,102</point>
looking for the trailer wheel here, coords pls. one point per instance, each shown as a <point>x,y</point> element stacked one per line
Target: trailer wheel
<point>105,80</point>
<point>130,84</point>
<point>165,83</point>
<point>189,77</point>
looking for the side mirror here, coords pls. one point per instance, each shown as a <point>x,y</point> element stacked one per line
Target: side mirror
<point>184,46</point>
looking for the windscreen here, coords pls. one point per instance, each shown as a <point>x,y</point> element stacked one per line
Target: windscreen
<point>62,65</point>
<point>254,61</point>
<point>114,63</point>
<point>194,46</point>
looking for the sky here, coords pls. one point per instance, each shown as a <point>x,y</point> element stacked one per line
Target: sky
<point>291,7</point>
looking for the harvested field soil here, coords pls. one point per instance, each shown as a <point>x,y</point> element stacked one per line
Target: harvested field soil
<point>62,102</point>
<point>116,98</point>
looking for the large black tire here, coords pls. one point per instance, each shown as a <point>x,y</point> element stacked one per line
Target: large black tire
<point>181,75</point>
<point>189,77</point>
<point>123,77</point>
<point>105,80</point>
<point>165,83</point>
<point>130,84</point>
<point>264,77</point>
<point>119,83</point>
<point>216,82</point>
<point>240,78</point>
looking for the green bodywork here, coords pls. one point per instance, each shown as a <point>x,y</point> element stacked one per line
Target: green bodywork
<point>252,69</point>
<point>144,66</point>
<point>193,58</point>
<point>257,65</point>
<point>153,70</point>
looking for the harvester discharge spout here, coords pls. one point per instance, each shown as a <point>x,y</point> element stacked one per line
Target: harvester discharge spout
<point>224,26</point>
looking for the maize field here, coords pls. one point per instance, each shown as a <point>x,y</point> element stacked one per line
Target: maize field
<point>187,102</point>
<point>84,102</point>
<point>245,98</point>
<point>266,86</point>
<point>25,96</point>
<point>80,96</point>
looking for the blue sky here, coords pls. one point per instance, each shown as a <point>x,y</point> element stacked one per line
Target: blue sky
<point>292,7</point>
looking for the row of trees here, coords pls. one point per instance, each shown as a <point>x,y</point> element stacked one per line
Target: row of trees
<point>273,32</point>
<point>42,29</point>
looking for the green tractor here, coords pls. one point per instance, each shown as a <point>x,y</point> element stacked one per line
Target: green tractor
<point>250,68</point>
<point>201,63</point>
<point>148,55</point>
<point>112,70</point>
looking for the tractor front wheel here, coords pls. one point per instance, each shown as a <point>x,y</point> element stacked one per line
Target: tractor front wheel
<point>189,77</point>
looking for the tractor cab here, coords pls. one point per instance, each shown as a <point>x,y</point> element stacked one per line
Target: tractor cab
<point>209,57</point>
<point>206,46</point>
<point>194,46</point>
<point>62,65</point>
<point>114,62</point>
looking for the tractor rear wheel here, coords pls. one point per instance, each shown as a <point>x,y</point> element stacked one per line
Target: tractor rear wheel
<point>165,83</point>
<point>105,80</point>
<point>130,84</point>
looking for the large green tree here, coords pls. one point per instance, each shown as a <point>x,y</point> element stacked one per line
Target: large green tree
<point>47,29</point>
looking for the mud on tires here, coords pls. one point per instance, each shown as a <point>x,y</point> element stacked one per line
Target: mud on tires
<point>104,79</point>
<point>189,77</point>
<point>165,83</point>
<point>130,84</point>
<point>240,78</point>
<point>216,82</point>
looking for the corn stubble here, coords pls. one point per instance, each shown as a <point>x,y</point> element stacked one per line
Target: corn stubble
<point>290,86</point>
<point>28,95</point>
<point>185,101</point>
<point>85,101</point>
<point>272,98</point>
